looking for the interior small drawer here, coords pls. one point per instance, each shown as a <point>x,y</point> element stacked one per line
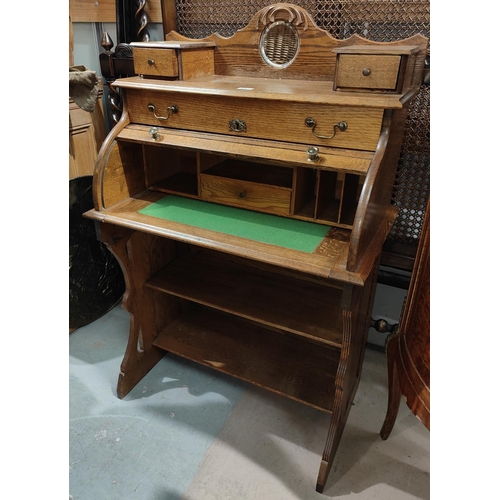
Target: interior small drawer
<point>360,71</point>
<point>235,192</point>
<point>155,62</point>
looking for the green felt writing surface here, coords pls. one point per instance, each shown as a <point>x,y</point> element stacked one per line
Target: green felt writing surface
<point>265,228</point>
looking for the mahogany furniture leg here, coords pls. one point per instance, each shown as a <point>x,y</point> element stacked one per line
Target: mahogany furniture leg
<point>394,387</point>
<point>408,350</point>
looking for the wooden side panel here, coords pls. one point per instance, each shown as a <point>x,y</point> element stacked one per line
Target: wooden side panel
<point>86,135</point>
<point>415,333</point>
<point>159,164</point>
<point>196,63</point>
<point>104,11</point>
<point>82,142</point>
<point>374,207</point>
<point>408,348</point>
<point>140,256</point>
<point>122,179</point>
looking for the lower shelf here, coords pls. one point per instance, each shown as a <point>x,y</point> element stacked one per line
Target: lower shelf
<point>280,363</point>
<point>254,294</point>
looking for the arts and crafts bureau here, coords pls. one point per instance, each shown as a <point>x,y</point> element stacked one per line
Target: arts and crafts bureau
<point>246,193</point>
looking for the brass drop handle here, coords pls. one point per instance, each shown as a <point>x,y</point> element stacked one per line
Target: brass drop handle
<point>311,122</point>
<point>171,109</point>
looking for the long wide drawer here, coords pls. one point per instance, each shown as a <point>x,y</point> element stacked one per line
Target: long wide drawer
<point>244,194</point>
<point>259,118</point>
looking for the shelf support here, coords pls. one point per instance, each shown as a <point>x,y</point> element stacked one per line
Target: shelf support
<point>140,256</point>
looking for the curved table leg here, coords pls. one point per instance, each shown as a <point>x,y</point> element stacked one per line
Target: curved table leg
<point>140,256</point>
<point>394,387</point>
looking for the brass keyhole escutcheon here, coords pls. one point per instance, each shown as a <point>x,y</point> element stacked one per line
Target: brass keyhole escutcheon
<point>237,125</point>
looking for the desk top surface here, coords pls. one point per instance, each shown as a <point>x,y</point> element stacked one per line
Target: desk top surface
<point>314,92</point>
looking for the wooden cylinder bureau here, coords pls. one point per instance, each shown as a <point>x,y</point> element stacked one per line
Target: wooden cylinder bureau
<point>246,194</point>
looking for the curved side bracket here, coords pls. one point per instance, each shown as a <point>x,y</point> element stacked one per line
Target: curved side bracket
<point>102,159</point>
<point>374,204</point>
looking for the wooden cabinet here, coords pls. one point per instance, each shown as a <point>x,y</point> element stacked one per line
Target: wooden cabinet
<point>248,208</point>
<point>408,348</point>
<point>86,134</point>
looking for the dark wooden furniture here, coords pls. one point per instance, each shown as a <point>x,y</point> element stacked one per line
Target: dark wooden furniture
<point>408,349</point>
<point>131,25</point>
<point>284,120</point>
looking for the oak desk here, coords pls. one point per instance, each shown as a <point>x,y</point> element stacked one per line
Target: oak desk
<point>246,193</point>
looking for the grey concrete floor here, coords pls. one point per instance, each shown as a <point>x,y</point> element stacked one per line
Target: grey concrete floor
<point>187,432</point>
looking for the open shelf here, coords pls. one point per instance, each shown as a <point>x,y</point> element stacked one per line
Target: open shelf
<point>327,193</point>
<point>289,366</point>
<point>179,183</point>
<point>171,170</point>
<point>252,172</point>
<point>350,197</point>
<point>255,294</point>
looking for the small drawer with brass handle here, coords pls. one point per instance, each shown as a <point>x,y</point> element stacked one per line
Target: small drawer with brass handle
<point>180,60</point>
<point>155,62</point>
<point>240,193</point>
<point>367,71</point>
<point>379,68</point>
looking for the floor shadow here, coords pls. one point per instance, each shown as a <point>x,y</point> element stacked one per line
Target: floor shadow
<point>364,460</point>
<point>274,422</point>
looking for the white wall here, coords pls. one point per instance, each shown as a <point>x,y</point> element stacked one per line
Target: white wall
<point>87,41</point>
<point>388,305</point>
